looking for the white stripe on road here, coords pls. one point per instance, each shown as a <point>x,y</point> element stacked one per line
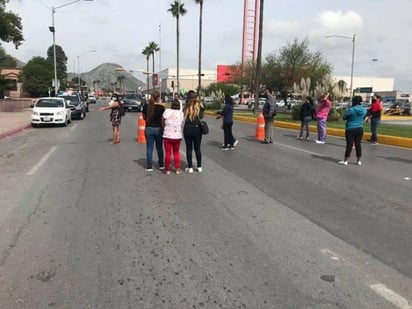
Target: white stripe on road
<point>299,149</point>
<point>380,289</point>
<point>35,168</point>
<point>395,299</point>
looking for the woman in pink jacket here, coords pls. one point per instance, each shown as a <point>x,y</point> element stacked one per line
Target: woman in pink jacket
<point>322,116</point>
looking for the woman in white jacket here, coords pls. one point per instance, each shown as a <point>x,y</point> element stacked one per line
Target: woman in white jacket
<point>173,120</point>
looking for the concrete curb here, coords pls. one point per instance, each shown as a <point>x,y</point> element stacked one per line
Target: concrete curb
<point>383,139</point>
<point>15,130</point>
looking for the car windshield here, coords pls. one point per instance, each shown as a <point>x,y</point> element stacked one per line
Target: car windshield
<point>50,103</point>
<point>74,100</point>
<point>133,96</point>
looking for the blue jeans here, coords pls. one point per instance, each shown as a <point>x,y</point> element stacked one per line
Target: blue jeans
<point>374,126</point>
<point>304,124</point>
<point>154,135</point>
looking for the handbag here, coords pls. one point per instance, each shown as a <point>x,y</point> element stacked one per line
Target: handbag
<point>204,127</point>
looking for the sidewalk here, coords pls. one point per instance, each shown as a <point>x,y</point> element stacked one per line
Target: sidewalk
<point>15,121</point>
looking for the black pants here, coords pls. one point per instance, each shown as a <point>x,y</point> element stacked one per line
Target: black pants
<point>353,136</point>
<point>193,139</point>
<point>228,134</point>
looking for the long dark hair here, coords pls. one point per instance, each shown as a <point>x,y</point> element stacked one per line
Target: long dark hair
<point>154,97</point>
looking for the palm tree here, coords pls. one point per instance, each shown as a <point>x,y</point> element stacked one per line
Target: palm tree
<point>147,52</point>
<point>153,48</point>
<point>177,9</point>
<point>199,66</point>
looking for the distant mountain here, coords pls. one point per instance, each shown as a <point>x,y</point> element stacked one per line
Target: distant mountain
<point>107,74</point>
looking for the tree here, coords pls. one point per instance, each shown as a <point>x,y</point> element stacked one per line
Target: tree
<point>6,61</point>
<point>153,47</point>
<point>4,85</point>
<point>36,76</point>
<point>11,29</point>
<point>225,88</point>
<point>292,63</point>
<point>177,9</point>
<point>61,61</point>
<point>199,66</point>
<point>147,52</point>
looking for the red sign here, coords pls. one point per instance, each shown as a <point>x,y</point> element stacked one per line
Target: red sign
<point>155,79</point>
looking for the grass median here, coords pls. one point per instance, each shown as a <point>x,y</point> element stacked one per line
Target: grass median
<point>384,128</point>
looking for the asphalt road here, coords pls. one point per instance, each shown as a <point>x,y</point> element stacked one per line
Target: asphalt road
<point>264,226</point>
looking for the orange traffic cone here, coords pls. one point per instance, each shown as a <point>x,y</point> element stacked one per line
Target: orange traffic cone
<point>260,127</point>
<point>141,125</point>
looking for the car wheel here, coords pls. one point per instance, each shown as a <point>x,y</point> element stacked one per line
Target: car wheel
<point>81,116</point>
<point>34,125</point>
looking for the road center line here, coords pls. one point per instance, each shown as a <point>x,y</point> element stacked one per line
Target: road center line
<point>73,127</point>
<point>397,300</point>
<point>300,149</point>
<point>35,168</point>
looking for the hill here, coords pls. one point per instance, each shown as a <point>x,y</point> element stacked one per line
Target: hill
<point>107,76</point>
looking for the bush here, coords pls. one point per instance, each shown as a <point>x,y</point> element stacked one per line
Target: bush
<point>296,111</point>
<point>334,114</point>
<point>214,106</point>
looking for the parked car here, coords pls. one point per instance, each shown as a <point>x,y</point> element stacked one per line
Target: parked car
<point>399,108</point>
<point>51,111</point>
<point>91,99</point>
<point>77,106</point>
<point>133,102</point>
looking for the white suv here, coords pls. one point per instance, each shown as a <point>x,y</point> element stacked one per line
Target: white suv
<point>51,111</point>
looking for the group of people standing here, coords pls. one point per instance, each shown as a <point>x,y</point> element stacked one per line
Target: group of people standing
<point>355,116</point>
<point>165,128</point>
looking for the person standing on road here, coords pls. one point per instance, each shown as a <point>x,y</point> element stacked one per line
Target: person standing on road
<point>227,113</point>
<point>115,117</point>
<point>173,120</point>
<point>307,113</point>
<point>322,116</point>
<point>152,113</point>
<point>354,117</point>
<point>269,113</point>
<point>193,112</point>
<point>374,116</point>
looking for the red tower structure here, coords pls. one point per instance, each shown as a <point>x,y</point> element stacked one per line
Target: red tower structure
<point>250,34</point>
<point>250,30</point>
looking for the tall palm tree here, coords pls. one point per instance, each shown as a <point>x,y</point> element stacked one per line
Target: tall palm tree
<point>199,66</point>
<point>177,9</point>
<point>153,48</point>
<point>147,52</point>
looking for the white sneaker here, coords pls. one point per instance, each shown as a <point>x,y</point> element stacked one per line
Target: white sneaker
<point>199,169</point>
<point>235,143</point>
<point>359,163</point>
<point>343,162</point>
<point>189,170</point>
<point>319,142</point>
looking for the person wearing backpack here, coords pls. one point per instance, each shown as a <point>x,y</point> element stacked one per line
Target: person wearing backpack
<point>269,113</point>
<point>115,117</point>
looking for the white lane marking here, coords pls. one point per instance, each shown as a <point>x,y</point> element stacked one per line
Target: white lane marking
<point>300,149</point>
<point>397,300</point>
<point>406,178</point>
<point>35,168</point>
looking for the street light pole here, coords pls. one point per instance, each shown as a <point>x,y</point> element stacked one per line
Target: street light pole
<point>78,67</point>
<point>53,30</point>
<point>353,59</point>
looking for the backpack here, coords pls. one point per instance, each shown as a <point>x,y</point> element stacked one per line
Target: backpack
<point>122,110</point>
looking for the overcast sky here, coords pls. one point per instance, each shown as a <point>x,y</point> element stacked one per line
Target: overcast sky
<point>119,29</point>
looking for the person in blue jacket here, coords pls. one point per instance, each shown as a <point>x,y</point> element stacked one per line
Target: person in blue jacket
<point>227,113</point>
<point>354,116</point>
